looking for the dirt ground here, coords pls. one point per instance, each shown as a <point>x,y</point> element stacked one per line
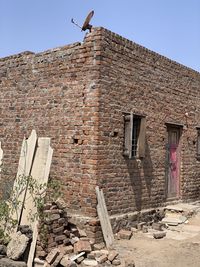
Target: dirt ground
<point>180,247</point>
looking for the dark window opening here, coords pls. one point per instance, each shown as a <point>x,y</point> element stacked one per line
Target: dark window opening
<point>198,143</point>
<point>134,136</point>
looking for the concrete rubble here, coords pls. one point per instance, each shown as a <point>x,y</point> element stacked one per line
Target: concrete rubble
<point>17,246</point>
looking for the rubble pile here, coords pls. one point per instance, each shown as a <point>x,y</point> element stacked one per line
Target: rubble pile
<point>63,244</point>
<point>60,243</point>
<point>14,253</point>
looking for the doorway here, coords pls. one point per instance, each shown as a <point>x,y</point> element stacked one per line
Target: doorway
<point>173,162</point>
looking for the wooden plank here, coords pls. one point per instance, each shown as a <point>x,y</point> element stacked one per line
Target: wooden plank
<point>24,168</point>
<point>38,175</point>
<point>40,172</point>
<point>104,218</point>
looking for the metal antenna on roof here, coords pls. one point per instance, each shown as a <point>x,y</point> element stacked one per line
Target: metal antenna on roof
<point>86,25</point>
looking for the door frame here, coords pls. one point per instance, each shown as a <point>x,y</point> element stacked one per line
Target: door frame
<point>178,129</point>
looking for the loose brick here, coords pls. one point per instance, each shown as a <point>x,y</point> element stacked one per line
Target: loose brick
<point>112,255</point>
<point>125,234</point>
<point>52,256</point>
<point>82,246</point>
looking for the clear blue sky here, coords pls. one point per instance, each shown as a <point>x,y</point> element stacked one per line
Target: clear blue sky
<point>169,27</point>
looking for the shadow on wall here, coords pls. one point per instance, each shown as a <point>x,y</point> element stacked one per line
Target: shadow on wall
<point>141,177</point>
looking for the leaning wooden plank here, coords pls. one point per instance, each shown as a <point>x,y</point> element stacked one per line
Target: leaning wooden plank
<point>40,173</point>
<point>24,168</point>
<point>109,227</point>
<point>37,175</point>
<point>104,218</point>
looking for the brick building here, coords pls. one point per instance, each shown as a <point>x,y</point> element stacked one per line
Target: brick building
<point>120,116</point>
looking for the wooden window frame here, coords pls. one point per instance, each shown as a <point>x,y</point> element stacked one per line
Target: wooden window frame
<point>198,143</point>
<point>131,134</point>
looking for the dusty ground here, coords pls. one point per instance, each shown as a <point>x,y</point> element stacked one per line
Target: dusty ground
<point>180,247</point>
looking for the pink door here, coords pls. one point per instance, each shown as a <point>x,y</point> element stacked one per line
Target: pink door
<point>173,166</point>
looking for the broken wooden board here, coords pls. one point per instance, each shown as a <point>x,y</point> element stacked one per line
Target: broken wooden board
<point>24,168</point>
<point>104,218</point>
<point>40,173</point>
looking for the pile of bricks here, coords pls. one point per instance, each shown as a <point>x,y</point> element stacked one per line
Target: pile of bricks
<point>62,243</point>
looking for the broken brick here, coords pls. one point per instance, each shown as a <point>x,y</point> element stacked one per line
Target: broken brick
<point>125,234</point>
<point>82,246</point>
<point>52,255</point>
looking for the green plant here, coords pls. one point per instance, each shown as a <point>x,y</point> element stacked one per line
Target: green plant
<point>10,208</point>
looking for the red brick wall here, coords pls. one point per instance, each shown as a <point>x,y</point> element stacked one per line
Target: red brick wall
<point>78,93</point>
<point>138,80</point>
<point>55,93</point>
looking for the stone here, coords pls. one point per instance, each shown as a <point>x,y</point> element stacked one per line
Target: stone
<point>53,217</point>
<point>66,241</point>
<point>61,204</point>
<point>125,234</point>
<point>80,259</point>
<point>129,263</point>
<point>99,246</point>
<point>112,255</point>
<point>145,229</point>
<point>158,235</point>
<point>82,233</point>
<point>5,262</point>
<point>85,239</point>
<point>67,233</point>
<point>104,251</point>
<point>66,262</point>
<point>62,221</point>
<point>17,246</point>
<point>82,246</point>
<point>134,230</point>
<point>157,226</point>
<point>88,262</point>
<point>108,263</point>
<point>52,255</point>
<point>94,254</point>
<point>75,257</point>
<point>103,258</point>
<point>68,249</point>
<point>116,262</point>
<point>3,250</point>
<point>58,229</point>
<point>26,230</point>
<point>60,238</point>
<point>74,240</point>
<point>57,260</point>
<point>38,262</point>
<point>140,225</point>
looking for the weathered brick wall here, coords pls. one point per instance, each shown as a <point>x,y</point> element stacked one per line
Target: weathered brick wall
<point>138,80</point>
<point>55,93</point>
<point>77,96</point>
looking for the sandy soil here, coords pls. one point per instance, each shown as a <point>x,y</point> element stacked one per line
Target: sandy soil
<point>180,247</point>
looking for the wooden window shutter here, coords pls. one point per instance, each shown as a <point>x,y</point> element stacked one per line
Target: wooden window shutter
<point>142,139</point>
<point>128,131</point>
